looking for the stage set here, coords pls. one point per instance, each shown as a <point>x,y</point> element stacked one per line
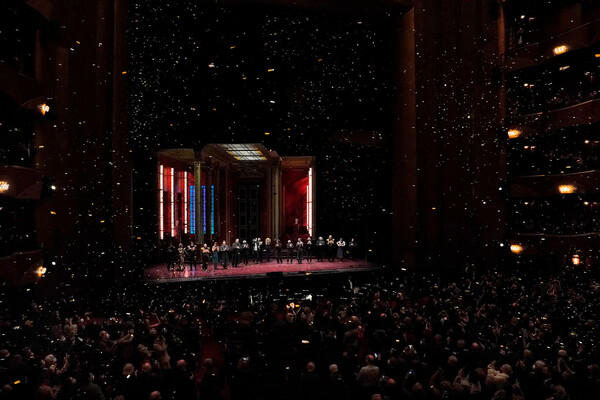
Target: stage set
<point>236,191</point>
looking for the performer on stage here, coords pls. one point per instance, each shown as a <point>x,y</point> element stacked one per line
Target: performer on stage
<point>256,250</point>
<point>245,252</point>
<point>352,245</point>
<point>299,250</point>
<point>290,252</point>
<point>171,256</point>
<point>309,249</point>
<point>341,247</point>
<point>320,248</point>
<point>268,250</point>
<point>181,257</point>
<point>330,248</point>
<point>205,256</point>
<point>191,251</point>
<point>215,255</point>
<point>278,251</point>
<point>224,250</point>
<point>236,248</point>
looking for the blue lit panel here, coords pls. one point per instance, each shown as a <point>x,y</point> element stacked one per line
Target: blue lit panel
<point>204,209</point>
<point>212,210</point>
<point>192,209</point>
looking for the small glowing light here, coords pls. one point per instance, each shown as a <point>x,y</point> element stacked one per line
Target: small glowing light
<point>52,212</point>
<point>4,186</point>
<point>267,133</point>
<point>124,73</point>
<point>564,68</point>
<point>44,108</point>
<point>587,142</point>
<point>41,270</point>
<point>564,189</point>
<point>53,187</point>
<point>516,248</point>
<point>587,203</point>
<point>514,133</point>
<point>597,55</point>
<point>575,260</point>
<point>526,84</point>
<point>522,16</point>
<point>271,69</point>
<point>560,49</point>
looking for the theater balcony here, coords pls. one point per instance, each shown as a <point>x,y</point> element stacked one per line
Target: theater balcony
<point>569,249</point>
<point>587,112</point>
<point>20,182</point>
<point>537,186</point>
<point>532,26</point>
<point>22,267</point>
<point>537,53</point>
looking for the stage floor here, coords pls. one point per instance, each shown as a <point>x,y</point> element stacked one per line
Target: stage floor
<point>159,273</point>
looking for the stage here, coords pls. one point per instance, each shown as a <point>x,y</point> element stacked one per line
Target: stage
<point>158,272</point>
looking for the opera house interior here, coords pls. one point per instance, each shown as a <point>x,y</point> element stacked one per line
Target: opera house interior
<point>310,199</point>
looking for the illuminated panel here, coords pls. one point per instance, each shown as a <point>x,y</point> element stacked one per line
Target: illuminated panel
<point>244,152</point>
<point>212,210</point>
<point>309,202</point>
<point>161,203</point>
<point>192,209</point>
<point>185,202</point>
<point>172,202</point>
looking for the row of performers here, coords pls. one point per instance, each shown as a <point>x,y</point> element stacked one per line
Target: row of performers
<point>261,251</point>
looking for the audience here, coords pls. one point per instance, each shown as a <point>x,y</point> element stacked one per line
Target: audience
<point>385,335</point>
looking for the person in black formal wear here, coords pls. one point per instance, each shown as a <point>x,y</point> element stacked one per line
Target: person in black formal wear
<point>191,252</point>
<point>171,257</point>
<point>256,249</point>
<point>278,246</point>
<point>352,245</point>
<point>331,248</point>
<point>299,250</point>
<point>224,252</point>
<point>236,250</point>
<point>267,248</point>
<point>205,251</point>
<point>320,246</point>
<point>245,252</point>
<point>309,250</point>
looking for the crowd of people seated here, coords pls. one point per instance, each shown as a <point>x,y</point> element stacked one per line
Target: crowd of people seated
<point>555,216</point>
<point>552,89</point>
<point>384,335</point>
<point>537,160</point>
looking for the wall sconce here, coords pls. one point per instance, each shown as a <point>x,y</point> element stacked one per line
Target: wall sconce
<point>566,189</point>
<point>516,248</point>
<point>560,49</point>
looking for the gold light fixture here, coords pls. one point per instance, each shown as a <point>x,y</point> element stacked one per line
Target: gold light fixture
<point>566,189</point>
<point>516,248</point>
<point>560,49</point>
<point>44,108</point>
<point>514,133</point>
<point>575,260</point>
